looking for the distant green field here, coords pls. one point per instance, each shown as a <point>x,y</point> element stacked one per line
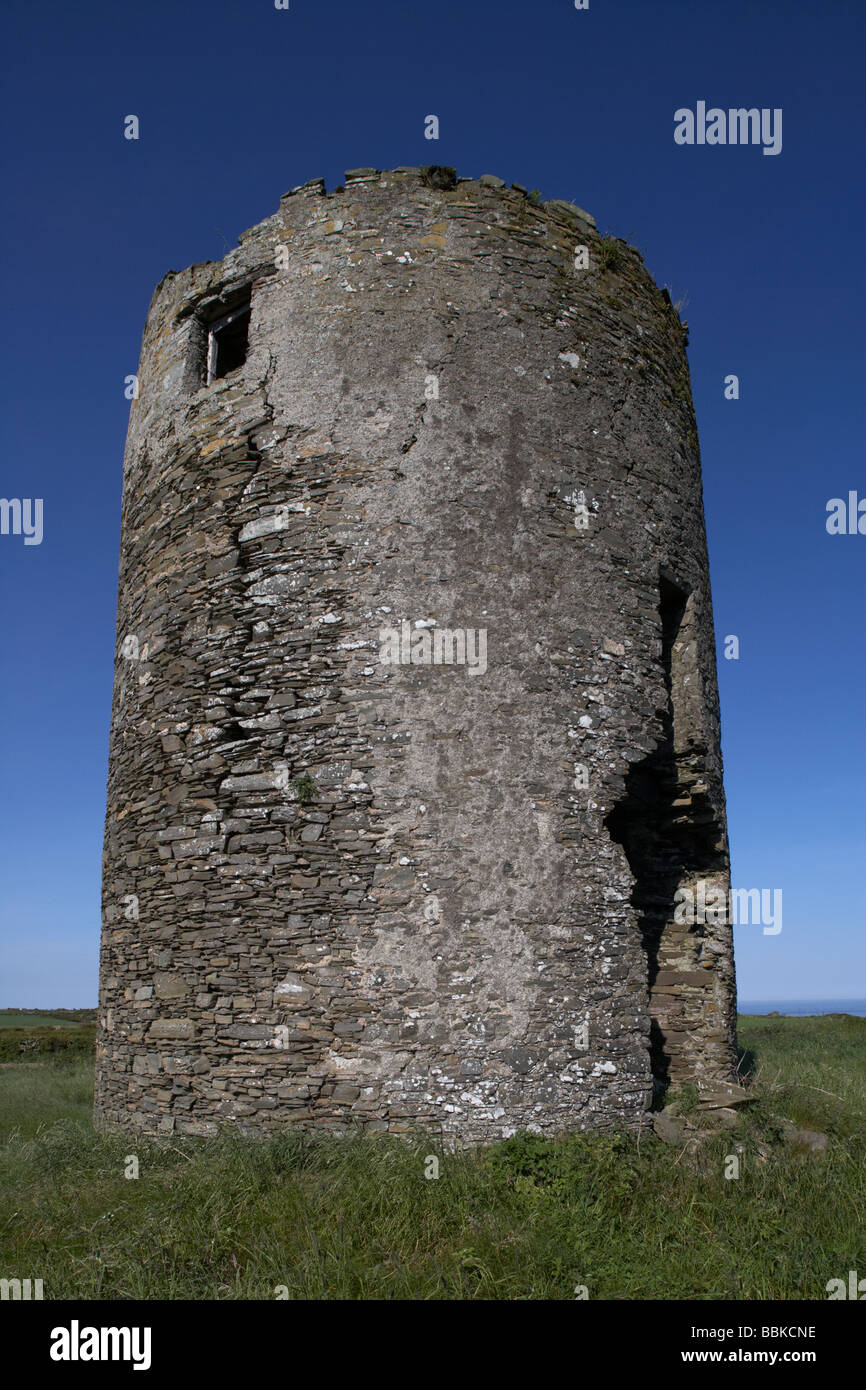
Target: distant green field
<point>13,1018</point>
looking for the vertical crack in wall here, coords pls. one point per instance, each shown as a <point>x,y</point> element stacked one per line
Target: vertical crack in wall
<point>673,836</point>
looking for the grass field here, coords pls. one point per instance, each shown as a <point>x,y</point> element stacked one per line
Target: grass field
<point>355,1218</point>
<point>15,1018</point>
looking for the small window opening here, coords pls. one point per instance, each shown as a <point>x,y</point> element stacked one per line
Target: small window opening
<point>227,342</point>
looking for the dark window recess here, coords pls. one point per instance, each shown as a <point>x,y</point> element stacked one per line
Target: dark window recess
<point>227,342</point>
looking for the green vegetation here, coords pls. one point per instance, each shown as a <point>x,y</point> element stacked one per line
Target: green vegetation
<point>305,788</point>
<point>609,254</point>
<point>56,1018</point>
<point>27,1044</point>
<point>35,1098</point>
<point>26,1034</point>
<point>810,1070</point>
<point>355,1217</point>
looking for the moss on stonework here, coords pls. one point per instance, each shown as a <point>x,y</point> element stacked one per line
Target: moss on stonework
<point>305,788</point>
<point>609,254</point>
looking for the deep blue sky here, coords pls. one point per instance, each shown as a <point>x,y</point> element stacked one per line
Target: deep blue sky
<point>239,102</point>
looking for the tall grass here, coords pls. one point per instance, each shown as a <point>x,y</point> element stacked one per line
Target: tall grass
<point>356,1218</point>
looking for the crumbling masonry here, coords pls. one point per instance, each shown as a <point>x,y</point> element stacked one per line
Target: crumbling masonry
<point>346,889</point>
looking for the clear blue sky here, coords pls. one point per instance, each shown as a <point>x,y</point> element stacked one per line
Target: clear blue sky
<point>238,102</point>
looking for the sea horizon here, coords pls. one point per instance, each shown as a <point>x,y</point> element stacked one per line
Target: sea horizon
<point>801,1008</point>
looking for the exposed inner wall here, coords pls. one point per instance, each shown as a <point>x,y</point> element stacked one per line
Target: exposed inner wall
<point>671,828</point>
<point>337,892</point>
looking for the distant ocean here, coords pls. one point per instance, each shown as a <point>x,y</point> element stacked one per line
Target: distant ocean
<point>799,1008</point>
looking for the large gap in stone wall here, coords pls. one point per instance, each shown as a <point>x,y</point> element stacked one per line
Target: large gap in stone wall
<point>671,836</point>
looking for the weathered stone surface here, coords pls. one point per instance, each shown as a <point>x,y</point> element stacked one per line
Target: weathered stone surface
<point>724,1096</point>
<point>417,893</point>
<point>670,1128</point>
<point>249,1032</point>
<point>556,205</point>
<point>729,1119</point>
<point>804,1141</point>
<point>169,986</point>
<point>180,1028</point>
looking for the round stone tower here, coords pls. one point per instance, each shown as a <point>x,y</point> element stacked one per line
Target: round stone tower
<point>414,766</point>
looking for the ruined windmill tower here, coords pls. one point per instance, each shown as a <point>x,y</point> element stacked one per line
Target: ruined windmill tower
<point>415,731</point>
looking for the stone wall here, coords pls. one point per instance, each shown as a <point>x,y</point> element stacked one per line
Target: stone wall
<point>343,891</point>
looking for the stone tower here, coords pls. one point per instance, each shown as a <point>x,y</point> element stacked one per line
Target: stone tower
<point>415,730</point>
